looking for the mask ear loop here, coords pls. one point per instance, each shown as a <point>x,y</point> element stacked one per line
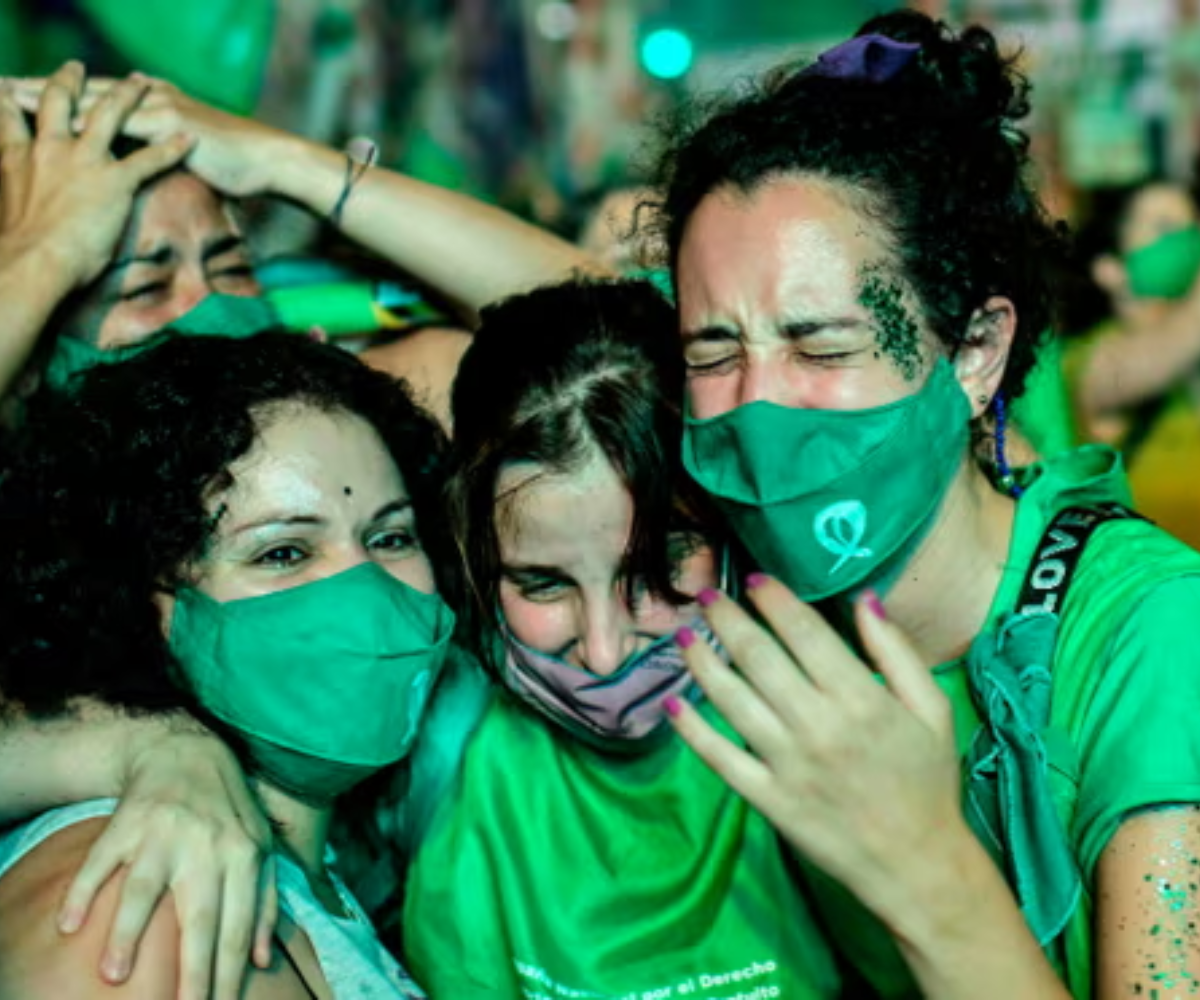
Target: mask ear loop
<point>1005,477</point>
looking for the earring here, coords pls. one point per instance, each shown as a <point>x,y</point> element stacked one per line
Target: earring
<point>984,398</point>
<point>1005,478</point>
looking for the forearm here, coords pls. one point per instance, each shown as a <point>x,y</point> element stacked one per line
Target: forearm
<point>964,937</point>
<point>468,250</point>
<point>85,756</point>
<point>32,286</point>
<point>1142,360</point>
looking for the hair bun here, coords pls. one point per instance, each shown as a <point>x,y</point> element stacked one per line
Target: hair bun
<point>964,75</point>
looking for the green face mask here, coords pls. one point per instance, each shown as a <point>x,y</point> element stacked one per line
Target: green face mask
<point>335,672</point>
<point>822,499</point>
<point>215,315</point>
<point>1166,268</point>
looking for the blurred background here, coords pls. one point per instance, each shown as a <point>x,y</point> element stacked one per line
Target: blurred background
<point>540,104</point>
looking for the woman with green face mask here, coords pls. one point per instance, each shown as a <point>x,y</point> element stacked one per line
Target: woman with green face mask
<point>980,741</point>
<point>1135,369</point>
<point>226,528</point>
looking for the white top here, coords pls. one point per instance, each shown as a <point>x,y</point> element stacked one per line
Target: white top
<point>355,965</point>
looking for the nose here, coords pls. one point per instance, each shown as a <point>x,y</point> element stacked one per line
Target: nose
<point>607,636</point>
<point>191,288</point>
<point>759,382</point>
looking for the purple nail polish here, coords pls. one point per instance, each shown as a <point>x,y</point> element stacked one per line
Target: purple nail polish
<point>756,580</point>
<point>685,637</point>
<point>672,706</point>
<point>875,605</point>
<point>708,597</point>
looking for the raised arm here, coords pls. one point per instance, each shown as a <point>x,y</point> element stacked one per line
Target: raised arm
<point>64,201</point>
<point>467,249</point>
<point>1141,359</point>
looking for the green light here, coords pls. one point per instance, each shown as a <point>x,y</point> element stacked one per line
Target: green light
<point>667,53</point>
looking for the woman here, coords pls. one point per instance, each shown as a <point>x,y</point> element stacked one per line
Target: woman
<point>578,849</point>
<point>1134,375</point>
<point>862,275</point>
<point>269,577</point>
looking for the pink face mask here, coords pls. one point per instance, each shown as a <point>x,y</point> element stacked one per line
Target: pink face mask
<point>621,712</point>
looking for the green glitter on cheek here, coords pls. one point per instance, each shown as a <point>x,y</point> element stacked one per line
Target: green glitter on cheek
<point>895,330</point>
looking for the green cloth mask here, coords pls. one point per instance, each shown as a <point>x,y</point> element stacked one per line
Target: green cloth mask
<point>337,671</point>
<point>214,315</point>
<point>822,499</point>
<point>1166,268</point>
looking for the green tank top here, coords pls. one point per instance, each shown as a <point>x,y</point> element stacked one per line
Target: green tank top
<point>556,871</point>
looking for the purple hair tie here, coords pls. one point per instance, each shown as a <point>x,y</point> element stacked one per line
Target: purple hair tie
<point>874,58</point>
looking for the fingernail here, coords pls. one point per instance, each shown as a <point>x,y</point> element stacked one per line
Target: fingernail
<point>756,580</point>
<point>69,921</point>
<point>114,969</point>
<point>672,706</point>
<point>685,637</point>
<point>874,605</point>
<point>707,597</point>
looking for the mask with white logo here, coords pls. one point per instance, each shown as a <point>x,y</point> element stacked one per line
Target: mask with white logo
<point>823,499</point>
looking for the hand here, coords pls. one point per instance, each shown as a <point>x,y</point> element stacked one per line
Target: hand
<point>186,823</point>
<point>62,193</point>
<point>233,154</point>
<point>861,778</point>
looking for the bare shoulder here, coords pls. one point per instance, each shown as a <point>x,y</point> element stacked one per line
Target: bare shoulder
<point>39,962</point>
<point>42,964</point>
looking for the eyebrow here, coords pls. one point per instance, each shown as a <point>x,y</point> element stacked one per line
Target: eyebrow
<point>288,520</point>
<point>165,253</point>
<point>223,245</point>
<point>792,330</point>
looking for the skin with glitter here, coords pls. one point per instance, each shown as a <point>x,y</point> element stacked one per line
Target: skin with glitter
<point>896,331</point>
<point>1170,888</point>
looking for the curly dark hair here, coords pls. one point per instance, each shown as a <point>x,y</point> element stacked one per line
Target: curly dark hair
<point>552,376</point>
<point>105,503</point>
<point>933,155</point>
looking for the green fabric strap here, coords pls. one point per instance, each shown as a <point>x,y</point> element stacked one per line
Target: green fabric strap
<point>1008,799</point>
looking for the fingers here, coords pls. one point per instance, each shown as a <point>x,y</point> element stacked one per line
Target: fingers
<point>268,914</point>
<point>156,159</point>
<point>101,864</point>
<point>199,909</point>
<point>743,772</point>
<point>140,896</point>
<point>742,706</point>
<point>239,906</point>
<point>57,106</point>
<point>908,678</point>
<point>103,120</point>
<point>808,637</point>
<point>14,130</point>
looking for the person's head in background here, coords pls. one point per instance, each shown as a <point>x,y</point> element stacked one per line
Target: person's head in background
<point>181,244</point>
<point>582,538</point>
<point>1138,248</point>
<point>608,228</point>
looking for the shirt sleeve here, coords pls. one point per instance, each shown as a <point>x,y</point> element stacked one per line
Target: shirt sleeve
<point>1139,738</point>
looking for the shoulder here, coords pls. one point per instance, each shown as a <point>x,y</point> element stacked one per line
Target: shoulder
<point>41,962</point>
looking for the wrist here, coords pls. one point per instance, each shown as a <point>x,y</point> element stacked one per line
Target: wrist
<point>307,173</point>
<point>946,890</point>
<point>40,267</point>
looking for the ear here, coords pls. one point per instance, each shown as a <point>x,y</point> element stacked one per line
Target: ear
<point>1110,275</point>
<point>983,356</point>
<point>165,602</point>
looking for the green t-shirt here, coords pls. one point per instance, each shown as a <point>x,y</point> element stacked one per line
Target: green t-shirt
<point>1125,698</point>
<point>556,871</point>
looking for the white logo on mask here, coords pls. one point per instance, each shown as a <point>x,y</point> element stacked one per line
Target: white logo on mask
<point>840,528</point>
